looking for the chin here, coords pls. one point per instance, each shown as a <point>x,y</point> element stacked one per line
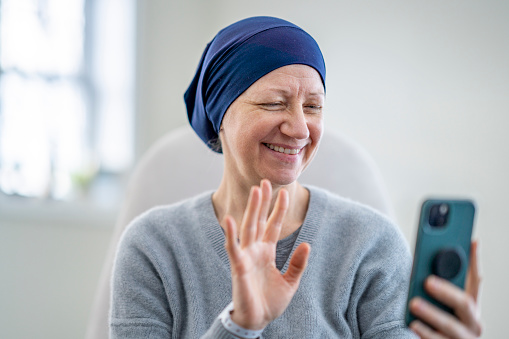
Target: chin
<point>282,180</point>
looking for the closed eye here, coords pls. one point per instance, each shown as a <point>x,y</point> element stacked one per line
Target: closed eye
<point>272,105</point>
<point>313,108</point>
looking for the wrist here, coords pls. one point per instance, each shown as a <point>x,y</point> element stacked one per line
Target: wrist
<point>234,328</point>
<point>241,321</point>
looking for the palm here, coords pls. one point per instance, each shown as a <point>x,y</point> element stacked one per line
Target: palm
<point>260,292</point>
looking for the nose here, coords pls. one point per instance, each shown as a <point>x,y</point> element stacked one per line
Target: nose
<point>295,124</point>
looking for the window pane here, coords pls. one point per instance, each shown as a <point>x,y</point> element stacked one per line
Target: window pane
<point>44,36</point>
<point>43,133</point>
<point>113,76</point>
<point>64,111</point>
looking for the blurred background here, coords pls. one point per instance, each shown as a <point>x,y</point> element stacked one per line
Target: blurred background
<point>86,86</point>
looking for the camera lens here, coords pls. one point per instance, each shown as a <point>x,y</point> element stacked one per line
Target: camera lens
<point>438,215</point>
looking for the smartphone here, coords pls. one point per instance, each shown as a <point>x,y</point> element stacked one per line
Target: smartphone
<point>442,247</point>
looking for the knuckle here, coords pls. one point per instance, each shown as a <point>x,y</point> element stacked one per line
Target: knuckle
<point>465,303</point>
<point>448,326</point>
<point>470,305</point>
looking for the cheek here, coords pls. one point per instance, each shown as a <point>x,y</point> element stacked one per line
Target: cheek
<point>252,126</point>
<point>316,129</point>
<point>237,135</point>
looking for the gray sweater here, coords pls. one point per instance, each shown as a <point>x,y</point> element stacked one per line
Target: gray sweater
<point>172,277</point>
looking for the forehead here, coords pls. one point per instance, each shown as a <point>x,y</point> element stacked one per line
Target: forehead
<point>289,79</point>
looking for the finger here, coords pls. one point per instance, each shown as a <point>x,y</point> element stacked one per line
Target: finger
<point>275,222</point>
<point>462,303</point>
<point>473,283</point>
<point>266,190</point>
<point>440,320</point>
<point>232,245</point>
<point>250,219</point>
<point>424,331</point>
<point>298,264</point>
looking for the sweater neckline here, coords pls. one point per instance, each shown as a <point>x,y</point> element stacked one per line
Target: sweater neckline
<point>308,231</point>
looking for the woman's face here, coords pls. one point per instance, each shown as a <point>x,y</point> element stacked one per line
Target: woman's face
<point>273,129</point>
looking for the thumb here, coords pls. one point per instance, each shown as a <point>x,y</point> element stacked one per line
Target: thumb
<point>298,264</point>
<point>473,282</point>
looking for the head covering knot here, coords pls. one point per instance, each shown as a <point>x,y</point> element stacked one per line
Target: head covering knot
<point>239,55</point>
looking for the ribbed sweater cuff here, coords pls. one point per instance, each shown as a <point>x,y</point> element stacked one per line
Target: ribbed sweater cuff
<point>217,331</point>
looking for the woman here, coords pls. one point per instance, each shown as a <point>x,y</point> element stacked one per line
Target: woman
<point>258,98</point>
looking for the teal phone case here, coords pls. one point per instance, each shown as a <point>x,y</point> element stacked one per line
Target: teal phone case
<point>443,251</point>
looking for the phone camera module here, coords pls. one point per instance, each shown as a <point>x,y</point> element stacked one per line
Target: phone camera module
<point>438,215</point>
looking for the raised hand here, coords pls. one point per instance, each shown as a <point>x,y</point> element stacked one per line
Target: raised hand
<point>467,322</point>
<point>260,292</point>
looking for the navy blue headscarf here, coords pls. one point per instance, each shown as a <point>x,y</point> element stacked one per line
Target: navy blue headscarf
<point>239,55</point>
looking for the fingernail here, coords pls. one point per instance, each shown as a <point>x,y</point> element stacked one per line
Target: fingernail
<point>416,303</point>
<point>435,281</point>
<point>416,325</point>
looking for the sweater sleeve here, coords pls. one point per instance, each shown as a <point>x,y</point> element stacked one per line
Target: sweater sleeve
<point>139,307</point>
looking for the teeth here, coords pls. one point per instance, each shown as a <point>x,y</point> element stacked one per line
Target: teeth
<point>283,150</point>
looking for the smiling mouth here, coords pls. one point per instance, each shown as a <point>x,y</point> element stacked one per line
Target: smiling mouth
<point>283,150</point>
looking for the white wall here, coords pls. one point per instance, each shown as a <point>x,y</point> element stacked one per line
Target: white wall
<point>422,85</point>
<point>50,259</point>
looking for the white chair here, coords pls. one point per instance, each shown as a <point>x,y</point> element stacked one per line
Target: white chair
<point>179,165</point>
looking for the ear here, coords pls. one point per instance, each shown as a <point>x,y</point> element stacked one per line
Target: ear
<point>215,144</point>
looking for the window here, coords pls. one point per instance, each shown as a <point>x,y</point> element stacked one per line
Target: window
<point>66,93</point>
